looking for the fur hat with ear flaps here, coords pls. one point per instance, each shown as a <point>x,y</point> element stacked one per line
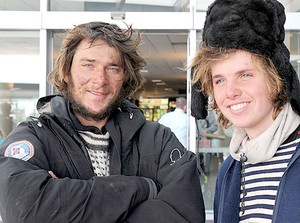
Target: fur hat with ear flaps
<point>256,26</point>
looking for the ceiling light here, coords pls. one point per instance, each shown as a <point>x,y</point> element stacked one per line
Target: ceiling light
<point>156,81</point>
<point>161,83</point>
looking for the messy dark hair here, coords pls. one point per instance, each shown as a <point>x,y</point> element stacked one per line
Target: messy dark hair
<point>124,41</point>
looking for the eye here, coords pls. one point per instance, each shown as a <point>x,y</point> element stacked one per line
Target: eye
<point>113,69</point>
<point>219,81</point>
<point>246,75</point>
<point>88,65</point>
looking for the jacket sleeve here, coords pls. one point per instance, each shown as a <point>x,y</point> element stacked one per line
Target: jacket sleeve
<point>180,197</point>
<point>28,193</point>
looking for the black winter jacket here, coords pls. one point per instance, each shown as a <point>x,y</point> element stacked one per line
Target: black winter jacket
<point>140,150</point>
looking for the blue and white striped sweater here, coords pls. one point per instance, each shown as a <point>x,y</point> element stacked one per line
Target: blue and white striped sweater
<point>261,184</point>
<point>287,196</point>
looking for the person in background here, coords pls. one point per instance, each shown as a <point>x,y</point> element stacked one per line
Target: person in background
<point>244,66</point>
<point>204,127</point>
<point>207,125</point>
<point>177,121</point>
<point>6,121</point>
<point>91,156</point>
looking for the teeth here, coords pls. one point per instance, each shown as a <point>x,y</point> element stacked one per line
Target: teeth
<point>238,106</point>
<point>96,93</point>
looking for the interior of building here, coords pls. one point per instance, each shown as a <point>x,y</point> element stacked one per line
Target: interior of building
<point>30,36</point>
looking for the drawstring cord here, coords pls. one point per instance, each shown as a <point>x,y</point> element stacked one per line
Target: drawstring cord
<point>129,110</point>
<point>243,160</point>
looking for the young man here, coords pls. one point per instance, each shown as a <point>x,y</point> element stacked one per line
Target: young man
<point>243,65</point>
<point>91,156</point>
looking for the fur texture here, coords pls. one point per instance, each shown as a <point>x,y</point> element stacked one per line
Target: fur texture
<point>256,26</point>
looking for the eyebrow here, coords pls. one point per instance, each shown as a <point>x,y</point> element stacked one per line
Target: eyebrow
<point>236,73</point>
<point>87,59</point>
<point>217,76</point>
<point>112,63</point>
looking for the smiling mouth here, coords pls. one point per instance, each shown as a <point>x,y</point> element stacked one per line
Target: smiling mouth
<point>97,93</point>
<point>238,106</point>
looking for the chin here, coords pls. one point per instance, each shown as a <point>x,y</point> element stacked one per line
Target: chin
<point>96,111</point>
<point>240,125</point>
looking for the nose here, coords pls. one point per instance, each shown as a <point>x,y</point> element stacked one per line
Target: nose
<point>233,90</point>
<point>100,77</point>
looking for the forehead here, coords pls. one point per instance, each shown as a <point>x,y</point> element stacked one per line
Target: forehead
<point>97,48</point>
<point>98,43</point>
<point>237,55</point>
<point>233,61</point>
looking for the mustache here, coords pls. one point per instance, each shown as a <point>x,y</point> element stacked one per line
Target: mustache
<point>81,110</point>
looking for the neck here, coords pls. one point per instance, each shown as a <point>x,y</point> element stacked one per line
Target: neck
<point>259,128</point>
<point>91,122</point>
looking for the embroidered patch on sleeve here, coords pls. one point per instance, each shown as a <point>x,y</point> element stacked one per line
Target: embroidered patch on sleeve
<point>20,150</point>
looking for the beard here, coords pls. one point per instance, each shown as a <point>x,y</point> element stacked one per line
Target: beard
<point>81,110</point>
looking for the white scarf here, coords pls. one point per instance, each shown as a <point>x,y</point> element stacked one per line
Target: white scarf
<point>264,146</point>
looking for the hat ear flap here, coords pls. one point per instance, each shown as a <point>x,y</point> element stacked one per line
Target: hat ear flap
<point>199,102</point>
<point>288,75</point>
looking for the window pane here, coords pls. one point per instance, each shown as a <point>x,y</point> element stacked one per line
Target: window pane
<point>20,5</point>
<point>292,41</point>
<point>20,71</point>
<point>127,6</point>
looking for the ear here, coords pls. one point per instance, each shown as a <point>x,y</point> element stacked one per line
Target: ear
<point>66,79</point>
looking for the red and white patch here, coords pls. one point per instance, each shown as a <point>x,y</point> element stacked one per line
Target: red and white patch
<point>23,150</point>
